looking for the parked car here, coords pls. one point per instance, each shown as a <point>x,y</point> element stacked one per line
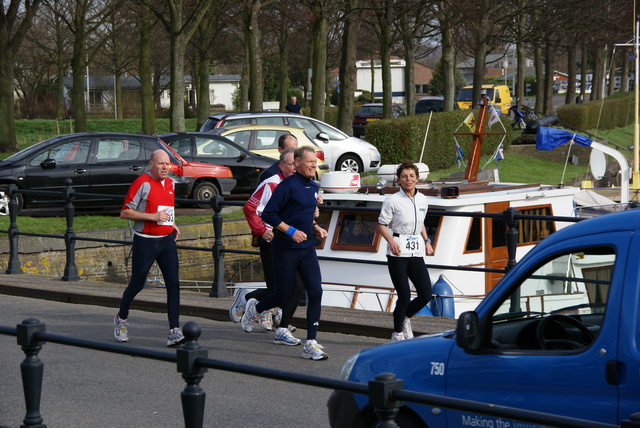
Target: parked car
<point>98,163</point>
<point>263,140</point>
<point>216,149</point>
<point>372,112</point>
<point>342,152</point>
<point>432,104</point>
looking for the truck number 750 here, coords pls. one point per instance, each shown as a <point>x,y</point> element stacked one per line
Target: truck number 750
<point>437,368</point>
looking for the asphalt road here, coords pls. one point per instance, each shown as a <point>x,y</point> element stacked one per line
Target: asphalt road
<point>90,388</point>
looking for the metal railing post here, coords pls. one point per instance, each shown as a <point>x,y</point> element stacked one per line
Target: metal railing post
<point>32,369</point>
<point>219,286</point>
<point>14,264</point>
<point>193,397</point>
<point>70,269</point>
<point>380,398</point>
<point>509,217</point>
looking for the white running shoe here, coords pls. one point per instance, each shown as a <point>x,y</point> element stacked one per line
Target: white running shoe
<point>277,317</point>
<point>396,337</point>
<point>250,316</point>
<point>284,337</point>
<point>176,338</point>
<point>239,304</point>
<point>406,328</point>
<point>265,321</point>
<point>120,329</point>
<point>313,351</point>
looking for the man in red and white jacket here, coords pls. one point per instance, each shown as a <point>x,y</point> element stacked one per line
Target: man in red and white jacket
<point>263,232</point>
<point>149,203</point>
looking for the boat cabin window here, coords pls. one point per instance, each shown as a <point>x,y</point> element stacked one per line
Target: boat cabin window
<point>474,238</point>
<point>432,225</point>
<point>529,231</point>
<point>560,306</point>
<point>356,231</point>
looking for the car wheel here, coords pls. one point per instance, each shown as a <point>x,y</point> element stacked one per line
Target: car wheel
<point>4,203</point>
<point>204,191</point>
<point>349,163</point>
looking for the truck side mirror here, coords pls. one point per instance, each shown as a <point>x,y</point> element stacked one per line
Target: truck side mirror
<point>468,332</point>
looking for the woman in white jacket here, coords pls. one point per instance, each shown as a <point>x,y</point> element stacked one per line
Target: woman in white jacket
<point>401,223</point>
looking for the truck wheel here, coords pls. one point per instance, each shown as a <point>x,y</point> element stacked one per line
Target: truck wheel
<point>204,191</point>
<point>349,163</point>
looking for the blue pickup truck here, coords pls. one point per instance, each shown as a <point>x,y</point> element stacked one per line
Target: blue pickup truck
<point>559,334</point>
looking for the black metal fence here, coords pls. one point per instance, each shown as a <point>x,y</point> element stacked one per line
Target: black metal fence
<point>386,393</point>
<point>510,217</point>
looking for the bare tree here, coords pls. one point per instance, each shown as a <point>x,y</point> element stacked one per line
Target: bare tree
<point>348,69</point>
<point>15,22</point>
<point>320,11</point>
<point>180,27</point>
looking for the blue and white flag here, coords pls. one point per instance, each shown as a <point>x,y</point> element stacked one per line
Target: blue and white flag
<point>500,152</point>
<point>459,152</point>
<point>495,116</point>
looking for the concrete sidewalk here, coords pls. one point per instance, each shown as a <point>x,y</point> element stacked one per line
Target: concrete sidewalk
<point>198,304</point>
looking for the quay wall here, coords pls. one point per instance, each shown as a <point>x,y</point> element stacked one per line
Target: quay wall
<point>112,262</point>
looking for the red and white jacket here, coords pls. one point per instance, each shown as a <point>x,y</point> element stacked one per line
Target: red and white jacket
<point>257,201</point>
<point>148,195</point>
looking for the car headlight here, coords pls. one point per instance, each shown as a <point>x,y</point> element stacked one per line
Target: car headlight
<point>345,371</point>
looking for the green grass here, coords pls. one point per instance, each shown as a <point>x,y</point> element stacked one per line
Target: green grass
<point>84,222</point>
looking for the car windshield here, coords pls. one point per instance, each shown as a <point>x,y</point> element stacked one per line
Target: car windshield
<point>425,106</point>
<point>209,124</point>
<point>370,111</point>
<point>26,152</point>
<point>466,94</point>
<point>558,306</point>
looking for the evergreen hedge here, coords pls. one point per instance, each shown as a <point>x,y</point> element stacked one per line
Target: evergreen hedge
<point>608,113</point>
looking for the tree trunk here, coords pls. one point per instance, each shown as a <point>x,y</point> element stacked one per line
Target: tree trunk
<point>146,73</point>
<point>570,97</point>
<point>597,84</point>
<point>448,69</point>
<point>78,67</point>
<point>539,64</point>
<point>348,71</point>
<point>547,100</point>
<point>583,73</point>
<point>283,75</point>
<point>319,73</point>
<point>624,81</point>
<point>409,88</point>
<point>8,141</point>
<point>118,107</point>
<point>256,90</point>
<point>480,55</point>
<point>203,97</point>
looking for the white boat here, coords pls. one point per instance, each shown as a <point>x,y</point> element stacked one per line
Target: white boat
<point>353,256</point>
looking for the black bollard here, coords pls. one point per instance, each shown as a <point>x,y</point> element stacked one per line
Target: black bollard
<point>380,399</point>
<point>32,369</point>
<point>193,397</point>
<point>14,263</point>
<point>219,286</point>
<point>70,269</point>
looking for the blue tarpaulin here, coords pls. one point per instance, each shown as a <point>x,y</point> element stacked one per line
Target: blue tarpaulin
<point>550,138</point>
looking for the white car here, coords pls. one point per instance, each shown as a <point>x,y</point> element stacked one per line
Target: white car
<point>342,152</point>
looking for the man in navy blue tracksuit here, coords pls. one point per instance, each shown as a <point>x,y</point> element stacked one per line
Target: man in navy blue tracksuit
<point>291,212</point>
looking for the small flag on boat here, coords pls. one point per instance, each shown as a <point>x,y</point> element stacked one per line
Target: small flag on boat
<point>470,121</point>
<point>459,152</point>
<point>495,116</point>
<point>500,152</point>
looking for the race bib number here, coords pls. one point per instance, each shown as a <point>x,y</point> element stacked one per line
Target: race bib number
<point>171,211</point>
<point>411,245</point>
